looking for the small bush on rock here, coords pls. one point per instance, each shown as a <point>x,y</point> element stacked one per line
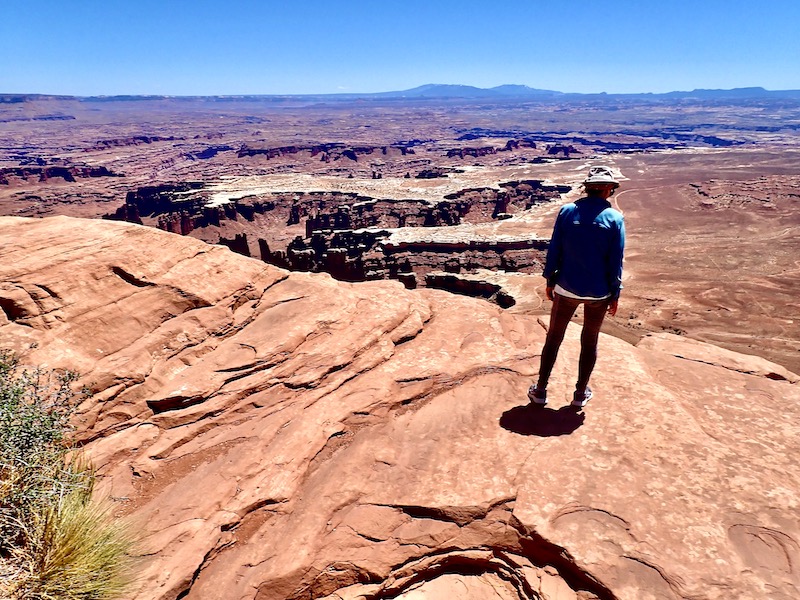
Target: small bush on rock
<point>56,544</point>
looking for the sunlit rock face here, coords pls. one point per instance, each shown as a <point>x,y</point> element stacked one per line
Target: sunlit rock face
<point>285,435</point>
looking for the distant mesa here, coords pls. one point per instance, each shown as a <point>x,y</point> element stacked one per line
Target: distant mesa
<point>433,173</point>
<point>134,140</point>
<point>329,151</point>
<point>210,152</point>
<point>37,118</point>
<point>473,152</point>
<point>671,138</point>
<point>562,150</point>
<point>39,174</point>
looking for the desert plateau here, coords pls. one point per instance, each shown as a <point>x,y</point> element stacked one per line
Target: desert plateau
<point>305,327</point>
<point>434,190</point>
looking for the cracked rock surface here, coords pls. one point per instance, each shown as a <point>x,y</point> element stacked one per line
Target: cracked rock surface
<point>287,436</point>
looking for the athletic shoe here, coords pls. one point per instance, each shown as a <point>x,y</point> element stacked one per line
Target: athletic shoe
<point>537,395</point>
<point>581,398</point>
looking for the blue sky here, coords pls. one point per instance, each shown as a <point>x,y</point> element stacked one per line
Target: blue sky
<point>183,47</point>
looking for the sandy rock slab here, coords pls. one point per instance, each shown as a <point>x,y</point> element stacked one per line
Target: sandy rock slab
<point>282,435</point>
<point>714,355</point>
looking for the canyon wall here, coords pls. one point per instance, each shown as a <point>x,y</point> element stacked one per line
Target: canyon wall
<point>349,235</point>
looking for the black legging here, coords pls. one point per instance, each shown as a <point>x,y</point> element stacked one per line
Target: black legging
<point>594,311</point>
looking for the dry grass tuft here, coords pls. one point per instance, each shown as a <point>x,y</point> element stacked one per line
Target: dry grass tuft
<point>76,551</point>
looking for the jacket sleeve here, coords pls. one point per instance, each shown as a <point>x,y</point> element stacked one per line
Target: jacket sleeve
<point>615,261</point>
<point>555,252</point>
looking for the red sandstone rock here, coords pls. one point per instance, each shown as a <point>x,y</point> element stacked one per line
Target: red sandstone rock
<point>284,435</point>
<point>714,355</point>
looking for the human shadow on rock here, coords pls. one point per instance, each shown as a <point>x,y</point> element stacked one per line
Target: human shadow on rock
<point>542,421</point>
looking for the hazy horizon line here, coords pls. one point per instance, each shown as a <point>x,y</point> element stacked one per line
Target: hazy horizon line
<point>532,92</point>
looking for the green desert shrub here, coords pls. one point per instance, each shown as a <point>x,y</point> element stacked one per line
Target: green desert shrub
<point>62,545</point>
<point>35,408</point>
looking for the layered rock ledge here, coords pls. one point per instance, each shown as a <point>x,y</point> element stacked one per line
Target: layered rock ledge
<point>345,233</point>
<point>285,435</point>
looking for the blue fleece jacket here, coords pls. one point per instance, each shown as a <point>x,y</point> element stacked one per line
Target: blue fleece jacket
<point>585,252</point>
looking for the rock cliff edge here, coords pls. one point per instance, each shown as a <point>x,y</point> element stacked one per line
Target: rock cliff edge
<point>287,436</point>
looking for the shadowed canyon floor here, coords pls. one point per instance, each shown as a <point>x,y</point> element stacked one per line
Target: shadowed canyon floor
<point>284,435</point>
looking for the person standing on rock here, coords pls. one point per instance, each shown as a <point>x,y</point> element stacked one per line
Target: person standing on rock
<point>584,266</point>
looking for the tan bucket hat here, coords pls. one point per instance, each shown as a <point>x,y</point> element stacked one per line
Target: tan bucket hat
<point>600,175</point>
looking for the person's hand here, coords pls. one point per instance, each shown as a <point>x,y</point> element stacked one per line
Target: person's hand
<point>550,293</point>
<point>612,306</point>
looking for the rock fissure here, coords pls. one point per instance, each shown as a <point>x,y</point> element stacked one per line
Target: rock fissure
<point>247,511</point>
<point>674,583</point>
<point>206,560</point>
<point>175,402</point>
<point>770,375</point>
<point>573,508</point>
<point>280,302</point>
<point>417,328</point>
<point>460,515</point>
<point>83,441</point>
<point>130,278</point>
<point>442,383</point>
<point>256,294</point>
<point>251,369</point>
<point>371,343</point>
<point>47,290</point>
<point>760,544</point>
<point>331,445</point>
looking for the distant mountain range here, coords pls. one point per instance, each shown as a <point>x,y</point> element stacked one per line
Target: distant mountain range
<point>437,90</point>
<point>441,90</point>
<point>447,91</point>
